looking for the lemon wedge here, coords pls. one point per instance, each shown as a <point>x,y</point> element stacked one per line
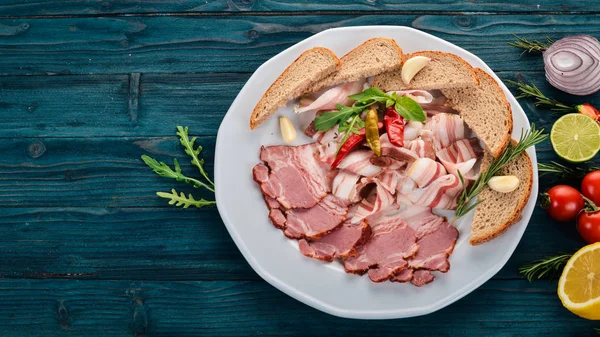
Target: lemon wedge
<point>579,284</point>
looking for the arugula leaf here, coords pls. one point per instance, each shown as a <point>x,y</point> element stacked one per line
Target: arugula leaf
<point>409,109</point>
<point>188,145</point>
<point>370,94</point>
<point>182,200</point>
<point>164,170</point>
<point>328,119</point>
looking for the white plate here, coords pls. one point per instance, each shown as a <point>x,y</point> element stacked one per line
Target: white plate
<point>326,286</point>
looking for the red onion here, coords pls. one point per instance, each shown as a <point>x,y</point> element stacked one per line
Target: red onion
<point>573,64</point>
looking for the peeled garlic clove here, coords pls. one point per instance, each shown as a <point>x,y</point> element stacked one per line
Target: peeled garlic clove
<point>412,66</point>
<point>288,131</point>
<point>504,184</point>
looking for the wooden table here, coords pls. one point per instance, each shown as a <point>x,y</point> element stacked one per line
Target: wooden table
<point>87,87</point>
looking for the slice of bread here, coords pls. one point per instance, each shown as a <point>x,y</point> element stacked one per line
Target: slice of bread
<point>486,111</point>
<point>499,211</point>
<point>375,56</point>
<point>310,67</point>
<point>445,70</point>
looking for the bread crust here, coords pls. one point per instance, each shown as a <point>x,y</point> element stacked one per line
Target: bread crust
<point>254,120</point>
<point>507,135</point>
<point>516,214</point>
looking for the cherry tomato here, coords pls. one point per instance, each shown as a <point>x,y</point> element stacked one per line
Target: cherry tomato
<point>590,187</point>
<point>588,226</point>
<point>564,203</point>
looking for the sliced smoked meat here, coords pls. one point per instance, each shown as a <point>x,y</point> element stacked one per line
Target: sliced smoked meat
<point>435,248</point>
<point>421,277</point>
<point>392,242</point>
<point>314,222</point>
<point>292,175</point>
<point>339,243</point>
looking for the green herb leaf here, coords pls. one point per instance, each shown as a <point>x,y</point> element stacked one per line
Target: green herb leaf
<point>164,170</point>
<point>328,119</point>
<point>548,268</point>
<point>188,145</point>
<point>409,109</point>
<point>370,94</point>
<point>181,200</point>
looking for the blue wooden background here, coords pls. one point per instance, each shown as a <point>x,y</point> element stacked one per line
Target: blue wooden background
<point>87,86</point>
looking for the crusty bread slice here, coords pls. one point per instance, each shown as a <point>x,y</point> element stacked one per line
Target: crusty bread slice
<point>445,70</point>
<point>310,67</point>
<point>374,56</point>
<point>486,111</point>
<point>499,211</point>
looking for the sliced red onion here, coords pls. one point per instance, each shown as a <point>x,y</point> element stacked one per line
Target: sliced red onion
<point>573,64</point>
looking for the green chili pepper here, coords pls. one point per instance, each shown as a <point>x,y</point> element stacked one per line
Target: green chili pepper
<point>372,131</point>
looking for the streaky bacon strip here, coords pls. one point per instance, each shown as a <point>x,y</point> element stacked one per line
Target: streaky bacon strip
<point>316,221</point>
<point>359,162</point>
<point>441,193</point>
<point>336,95</point>
<point>424,171</point>
<point>461,156</point>
<point>437,106</point>
<point>345,185</point>
<point>340,243</point>
<point>377,200</point>
<point>446,128</point>
<point>399,153</point>
<point>422,148</point>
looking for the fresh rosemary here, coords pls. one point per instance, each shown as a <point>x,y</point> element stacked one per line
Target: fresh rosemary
<point>529,46</point>
<point>528,138</point>
<point>541,100</point>
<point>565,172</point>
<point>548,268</point>
<point>164,170</point>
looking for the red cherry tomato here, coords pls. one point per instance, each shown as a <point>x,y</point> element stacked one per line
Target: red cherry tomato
<point>564,203</point>
<point>590,187</point>
<point>588,226</point>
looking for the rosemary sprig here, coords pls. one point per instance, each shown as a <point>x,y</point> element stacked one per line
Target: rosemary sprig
<point>541,100</point>
<point>165,170</point>
<point>549,267</point>
<point>597,330</point>
<point>188,145</point>
<point>182,200</point>
<point>529,46</point>
<point>528,138</point>
<point>565,172</point>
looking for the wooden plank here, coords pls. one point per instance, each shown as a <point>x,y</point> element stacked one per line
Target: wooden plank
<point>222,308</point>
<point>165,101</point>
<point>171,244</point>
<point>130,44</point>
<point>90,7</point>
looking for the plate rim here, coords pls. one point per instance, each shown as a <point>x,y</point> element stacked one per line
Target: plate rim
<point>371,314</point>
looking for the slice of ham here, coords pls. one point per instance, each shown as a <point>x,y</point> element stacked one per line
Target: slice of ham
<point>336,95</point>
<point>316,221</point>
<point>424,171</point>
<point>421,278</point>
<point>398,153</point>
<point>277,218</point>
<point>421,147</point>
<point>392,242</point>
<point>345,185</point>
<point>422,220</point>
<point>446,129</point>
<point>292,175</point>
<point>340,243</point>
<point>435,248</point>
<point>359,162</point>
<point>442,193</point>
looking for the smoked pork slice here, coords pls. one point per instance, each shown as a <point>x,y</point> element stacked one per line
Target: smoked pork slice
<point>316,221</point>
<point>421,277</point>
<point>435,248</point>
<point>339,243</point>
<point>292,175</point>
<point>392,242</point>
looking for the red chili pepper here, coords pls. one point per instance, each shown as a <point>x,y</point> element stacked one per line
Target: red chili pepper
<point>353,141</point>
<point>394,126</point>
<point>589,110</point>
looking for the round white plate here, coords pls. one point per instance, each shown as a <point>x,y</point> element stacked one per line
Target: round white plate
<point>325,286</point>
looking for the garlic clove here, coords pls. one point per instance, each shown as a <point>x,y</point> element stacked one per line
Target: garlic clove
<point>288,131</point>
<point>412,66</point>
<point>504,184</point>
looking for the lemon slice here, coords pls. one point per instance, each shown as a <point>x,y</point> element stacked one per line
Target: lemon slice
<point>575,137</point>
<point>579,284</point>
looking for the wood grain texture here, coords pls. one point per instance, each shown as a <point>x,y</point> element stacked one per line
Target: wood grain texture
<point>93,7</point>
<point>225,308</point>
<point>242,43</point>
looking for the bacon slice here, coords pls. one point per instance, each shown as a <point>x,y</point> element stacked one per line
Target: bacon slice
<point>441,193</point>
<point>292,175</point>
<point>399,153</point>
<point>339,243</point>
<point>377,200</point>
<point>359,162</point>
<point>446,128</point>
<point>422,148</point>
<point>411,130</point>
<point>316,221</point>
<point>437,106</point>
<point>392,242</point>
<point>461,156</point>
<point>419,96</point>
<point>424,171</point>
<point>345,185</point>
<point>336,95</point>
